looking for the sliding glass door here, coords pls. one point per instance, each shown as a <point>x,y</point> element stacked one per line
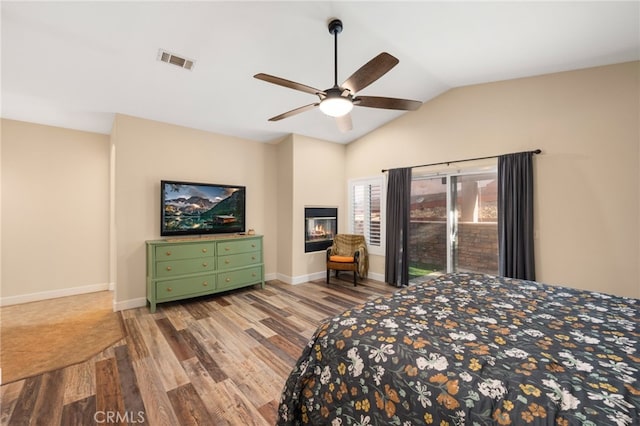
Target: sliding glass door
<point>453,224</point>
<point>428,226</point>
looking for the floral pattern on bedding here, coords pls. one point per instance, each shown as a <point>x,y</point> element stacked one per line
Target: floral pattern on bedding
<point>472,349</point>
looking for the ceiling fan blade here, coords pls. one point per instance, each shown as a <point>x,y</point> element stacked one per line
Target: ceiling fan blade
<point>386,103</point>
<point>370,72</point>
<point>294,112</point>
<point>344,123</point>
<point>288,83</point>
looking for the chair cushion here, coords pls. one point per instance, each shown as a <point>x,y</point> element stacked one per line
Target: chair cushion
<point>345,259</point>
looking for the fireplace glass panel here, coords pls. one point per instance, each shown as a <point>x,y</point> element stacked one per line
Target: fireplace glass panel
<point>320,226</point>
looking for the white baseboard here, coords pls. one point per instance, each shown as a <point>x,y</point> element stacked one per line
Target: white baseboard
<point>287,279</point>
<point>129,304</point>
<point>376,277</point>
<point>317,276</point>
<point>53,294</point>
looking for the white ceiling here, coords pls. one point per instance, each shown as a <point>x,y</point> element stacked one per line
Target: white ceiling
<point>76,64</point>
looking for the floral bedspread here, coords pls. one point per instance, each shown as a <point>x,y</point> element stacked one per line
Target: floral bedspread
<point>472,349</point>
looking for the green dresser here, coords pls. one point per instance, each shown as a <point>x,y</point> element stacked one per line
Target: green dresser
<point>182,268</point>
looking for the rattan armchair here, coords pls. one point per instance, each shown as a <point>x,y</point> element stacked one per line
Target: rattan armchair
<point>348,253</point>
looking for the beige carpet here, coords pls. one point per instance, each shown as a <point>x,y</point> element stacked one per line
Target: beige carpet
<point>46,335</point>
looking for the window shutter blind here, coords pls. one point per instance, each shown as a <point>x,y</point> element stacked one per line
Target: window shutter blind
<point>366,211</point>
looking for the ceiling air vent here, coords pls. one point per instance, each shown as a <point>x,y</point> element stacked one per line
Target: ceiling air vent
<point>172,58</point>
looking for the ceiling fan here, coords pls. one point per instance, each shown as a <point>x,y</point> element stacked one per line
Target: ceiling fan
<point>338,101</point>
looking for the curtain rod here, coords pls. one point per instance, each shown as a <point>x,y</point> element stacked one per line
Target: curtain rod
<point>537,151</point>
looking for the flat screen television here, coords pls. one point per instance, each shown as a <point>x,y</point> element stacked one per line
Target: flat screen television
<point>189,208</point>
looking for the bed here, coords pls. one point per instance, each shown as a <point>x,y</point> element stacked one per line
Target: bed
<point>472,349</point>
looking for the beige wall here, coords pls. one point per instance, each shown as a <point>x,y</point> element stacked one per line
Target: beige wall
<point>285,208</point>
<point>587,179</point>
<point>147,152</point>
<point>318,181</point>
<point>310,174</point>
<point>55,211</point>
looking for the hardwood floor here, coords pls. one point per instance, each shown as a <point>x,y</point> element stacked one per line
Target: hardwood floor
<point>219,360</point>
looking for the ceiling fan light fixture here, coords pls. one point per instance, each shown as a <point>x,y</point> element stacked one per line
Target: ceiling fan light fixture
<point>338,101</point>
<point>336,106</point>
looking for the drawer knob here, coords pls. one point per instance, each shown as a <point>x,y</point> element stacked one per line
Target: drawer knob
<point>226,249</point>
<point>253,274</point>
<point>205,283</point>
<point>205,264</point>
<point>168,268</point>
<point>226,262</point>
<point>253,245</point>
<point>204,250</point>
<point>253,258</point>
<point>168,253</point>
<point>228,280</point>
<point>169,289</point>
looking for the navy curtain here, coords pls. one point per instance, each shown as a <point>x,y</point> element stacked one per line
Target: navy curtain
<point>396,271</point>
<point>515,216</point>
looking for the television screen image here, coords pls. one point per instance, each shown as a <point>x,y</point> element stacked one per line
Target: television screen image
<point>200,208</point>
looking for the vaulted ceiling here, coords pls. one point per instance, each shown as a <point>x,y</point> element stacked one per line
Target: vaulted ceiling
<point>76,64</point>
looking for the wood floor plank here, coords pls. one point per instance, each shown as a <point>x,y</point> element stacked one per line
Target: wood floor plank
<point>180,348</point>
<point>8,395</point>
<point>80,412</point>
<point>108,391</point>
<point>158,409</point>
<point>48,407</point>
<point>160,352</point>
<point>26,401</point>
<point>134,339</point>
<point>244,308</point>
<point>204,357</point>
<point>231,315</point>
<point>271,300</point>
<point>304,326</point>
<point>281,365</point>
<point>180,318</point>
<point>339,301</point>
<point>270,411</point>
<point>274,350</point>
<point>320,307</point>
<point>234,407</point>
<point>267,307</point>
<point>133,403</point>
<point>231,337</point>
<point>197,308</point>
<point>222,301</point>
<point>261,329</point>
<point>286,331</point>
<point>219,360</point>
<point>206,387</point>
<point>257,382</point>
<point>286,346</point>
<point>189,408</point>
<point>80,382</point>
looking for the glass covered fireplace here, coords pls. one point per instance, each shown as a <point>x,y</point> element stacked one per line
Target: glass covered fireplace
<point>320,226</point>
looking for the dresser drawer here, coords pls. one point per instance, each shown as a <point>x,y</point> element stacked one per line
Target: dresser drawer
<point>185,251</point>
<point>238,246</point>
<point>185,286</point>
<point>171,268</point>
<point>238,260</point>
<point>233,279</point>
